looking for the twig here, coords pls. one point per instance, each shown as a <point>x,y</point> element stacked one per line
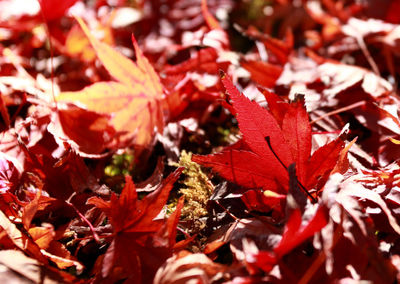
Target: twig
<point>339,110</point>
<point>92,229</point>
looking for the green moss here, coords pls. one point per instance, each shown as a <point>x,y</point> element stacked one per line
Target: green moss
<point>120,165</point>
<point>255,10</point>
<point>197,190</point>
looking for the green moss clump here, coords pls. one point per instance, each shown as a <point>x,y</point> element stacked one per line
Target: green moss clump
<point>121,164</point>
<point>197,190</point>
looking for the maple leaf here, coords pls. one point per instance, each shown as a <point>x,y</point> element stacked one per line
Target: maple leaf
<point>44,237</point>
<point>53,9</point>
<point>77,43</point>
<point>187,267</point>
<point>20,238</point>
<point>19,268</point>
<point>279,48</point>
<point>264,73</point>
<point>88,132</point>
<point>138,245</point>
<point>209,18</point>
<point>289,132</point>
<point>193,82</point>
<point>133,101</point>
<point>9,174</point>
<point>294,234</point>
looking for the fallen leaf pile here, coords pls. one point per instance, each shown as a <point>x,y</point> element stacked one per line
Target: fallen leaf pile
<point>199,141</point>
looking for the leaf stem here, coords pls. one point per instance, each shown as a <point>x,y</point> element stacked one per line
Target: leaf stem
<point>92,229</point>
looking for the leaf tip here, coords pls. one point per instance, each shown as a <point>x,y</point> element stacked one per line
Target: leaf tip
<point>134,41</point>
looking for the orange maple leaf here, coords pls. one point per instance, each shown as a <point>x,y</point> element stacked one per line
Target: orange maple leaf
<point>133,100</point>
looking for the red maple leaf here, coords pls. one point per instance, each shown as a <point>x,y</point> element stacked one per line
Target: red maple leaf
<point>53,10</point>
<point>294,234</point>
<point>141,243</point>
<point>260,165</point>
